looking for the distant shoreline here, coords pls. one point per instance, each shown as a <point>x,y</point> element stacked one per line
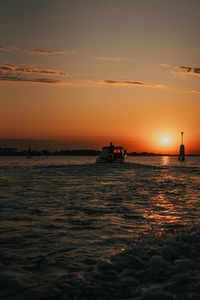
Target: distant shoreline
<point>85,152</point>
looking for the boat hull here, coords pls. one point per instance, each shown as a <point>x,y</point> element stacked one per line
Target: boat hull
<point>100,160</point>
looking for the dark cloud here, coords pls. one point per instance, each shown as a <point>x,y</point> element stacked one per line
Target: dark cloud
<point>31,80</point>
<point>132,83</point>
<point>188,70</point>
<point>182,69</point>
<point>49,52</point>
<point>14,73</point>
<point>12,69</point>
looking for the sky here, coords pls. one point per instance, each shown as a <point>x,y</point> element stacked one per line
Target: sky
<point>80,74</point>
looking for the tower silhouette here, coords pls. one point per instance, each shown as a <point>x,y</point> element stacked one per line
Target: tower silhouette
<point>182,149</point>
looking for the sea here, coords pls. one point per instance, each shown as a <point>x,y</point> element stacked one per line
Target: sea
<point>72,229</point>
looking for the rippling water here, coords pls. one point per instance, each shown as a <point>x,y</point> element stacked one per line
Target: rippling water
<point>61,215</point>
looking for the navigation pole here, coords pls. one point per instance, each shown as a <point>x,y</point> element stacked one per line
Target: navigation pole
<point>182,149</point>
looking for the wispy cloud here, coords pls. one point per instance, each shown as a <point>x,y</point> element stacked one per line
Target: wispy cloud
<point>75,52</point>
<point>96,83</point>
<point>8,49</point>
<point>105,58</point>
<point>25,69</point>
<point>75,83</point>
<point>4,48</point>
<point>51,52</point>
<point>65,52</point>
<point>128,83</point>
<point>143,84</point>
<point>28,80</point>
<point>84,83</point>
<point>165,65</point>
<point>196,92</point>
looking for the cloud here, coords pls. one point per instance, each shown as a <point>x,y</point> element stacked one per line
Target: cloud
<point>51,52</point>
<point>84,83</point>
<point>165,65</point>
<point>75,52</point>
<point>4,49</point>
<point>93,83</point>
<point>24,73</point>
<point>182,69</point>
<point>196,92</point>
<point>13,69</point>
<point>188,70</point>
<point>103,58</point>
<point>8,49</point>
<point>128,83</point>
<point>80,83</point>
<point>29,80</point>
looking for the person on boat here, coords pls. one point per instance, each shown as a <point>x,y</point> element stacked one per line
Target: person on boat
<point>111,146</point>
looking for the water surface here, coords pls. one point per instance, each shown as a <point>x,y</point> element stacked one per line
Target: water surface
<point>61,215</point>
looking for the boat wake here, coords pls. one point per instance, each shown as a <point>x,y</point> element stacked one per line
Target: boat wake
<point>154,267</point>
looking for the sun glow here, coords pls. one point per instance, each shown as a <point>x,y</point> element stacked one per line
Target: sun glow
<point>165,139</point>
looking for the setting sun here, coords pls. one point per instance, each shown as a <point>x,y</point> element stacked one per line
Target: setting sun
<point>165,139</point>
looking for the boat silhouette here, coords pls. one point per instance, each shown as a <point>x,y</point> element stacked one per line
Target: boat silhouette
<point>112,154</point>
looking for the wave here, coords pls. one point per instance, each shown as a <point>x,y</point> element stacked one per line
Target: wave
<point>155,267</point>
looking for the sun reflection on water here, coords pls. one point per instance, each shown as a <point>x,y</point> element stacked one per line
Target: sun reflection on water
<point>165,160</point>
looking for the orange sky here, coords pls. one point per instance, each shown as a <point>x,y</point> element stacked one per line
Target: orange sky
<point>90,73</point>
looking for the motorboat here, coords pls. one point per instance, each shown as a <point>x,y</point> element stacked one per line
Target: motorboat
<point>112,154</point>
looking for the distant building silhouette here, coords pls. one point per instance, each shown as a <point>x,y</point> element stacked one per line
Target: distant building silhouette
<point>8,151</point>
